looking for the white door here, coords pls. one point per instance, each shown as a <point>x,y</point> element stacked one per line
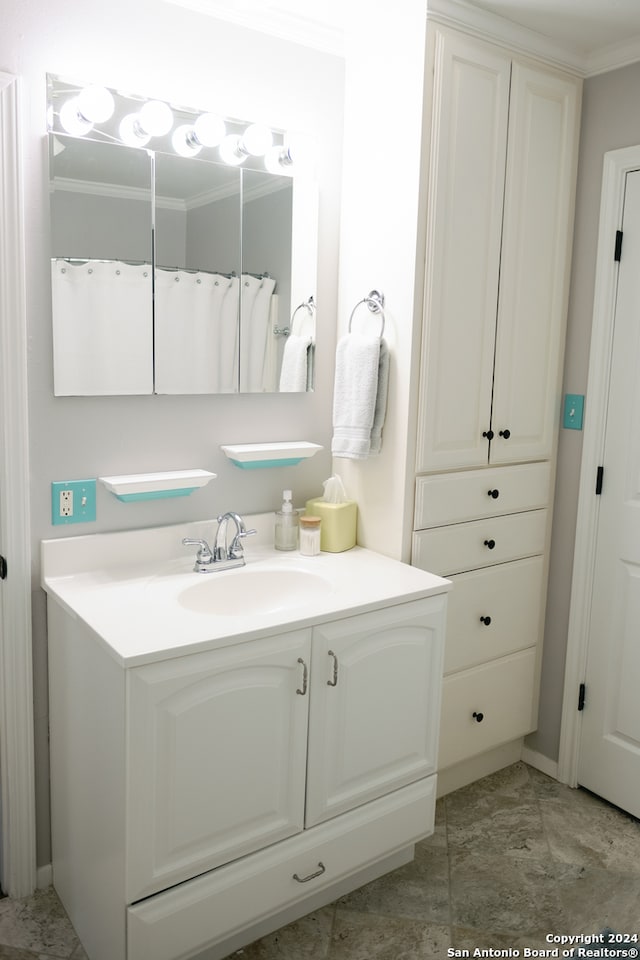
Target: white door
<point>216,757</point>
<point>609,757</point>
<point>375,705</point>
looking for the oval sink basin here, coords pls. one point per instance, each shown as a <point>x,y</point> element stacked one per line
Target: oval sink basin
<point>245,592</point>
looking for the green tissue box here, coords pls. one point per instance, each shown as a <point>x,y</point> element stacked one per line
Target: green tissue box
<point>338,529</point>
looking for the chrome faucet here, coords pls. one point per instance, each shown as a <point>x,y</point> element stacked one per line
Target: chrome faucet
<point>224,555</point>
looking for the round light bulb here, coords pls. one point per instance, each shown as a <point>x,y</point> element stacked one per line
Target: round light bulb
<point>156,118</point>
<point>184,142</point>
<point>209,129</point>
<point>278,160</point>
<point>96,104</point>
<point>230,150</point>
<point>301,151</point>
<point>72,120</point>
<point>131,132</point>
<point>256,139</point>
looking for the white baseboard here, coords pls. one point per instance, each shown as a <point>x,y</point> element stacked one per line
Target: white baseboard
<point>540,762</point>
<point>44,876</point>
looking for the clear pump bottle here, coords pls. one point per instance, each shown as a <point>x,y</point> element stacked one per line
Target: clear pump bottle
<point>286,527</point>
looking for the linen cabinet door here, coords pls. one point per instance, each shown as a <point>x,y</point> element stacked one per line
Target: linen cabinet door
<point>375,705</point>
<point>468,156</point>
<point>216,758</point>
<point>534,274</point>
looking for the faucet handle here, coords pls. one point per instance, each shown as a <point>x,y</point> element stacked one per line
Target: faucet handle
<point>236,547</point>
<point>204,550</point>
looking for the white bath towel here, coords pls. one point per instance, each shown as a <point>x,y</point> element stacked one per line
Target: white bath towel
<point>294,373</point>
<point>380,411</point>
<point>355,394</point>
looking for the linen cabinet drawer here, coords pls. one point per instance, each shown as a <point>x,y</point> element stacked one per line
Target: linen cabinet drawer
<point>487,706</point>
<point>492,612</point>
<point>209,909</point>
<point>456,497</point>
<point>480,543</point>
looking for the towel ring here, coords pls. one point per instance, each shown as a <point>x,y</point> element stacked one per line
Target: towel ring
<point>375,302</point>
<point>286,331</point>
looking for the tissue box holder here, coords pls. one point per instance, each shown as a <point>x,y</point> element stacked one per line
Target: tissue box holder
<point>338,529</point>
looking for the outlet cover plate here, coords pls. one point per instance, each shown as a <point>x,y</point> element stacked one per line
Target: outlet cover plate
<point>573,411</point>
<point>84,501</point>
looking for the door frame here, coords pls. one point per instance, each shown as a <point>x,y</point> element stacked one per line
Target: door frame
<point>17,779</point>
<point>617,164</point>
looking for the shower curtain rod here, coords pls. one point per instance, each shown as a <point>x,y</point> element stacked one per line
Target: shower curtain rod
<point>146,263</point>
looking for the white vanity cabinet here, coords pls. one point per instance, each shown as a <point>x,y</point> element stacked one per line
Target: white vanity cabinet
<point>500,176</point>
<point>200,799</point>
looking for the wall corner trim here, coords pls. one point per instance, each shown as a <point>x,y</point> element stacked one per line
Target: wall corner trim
<point>17,776</point>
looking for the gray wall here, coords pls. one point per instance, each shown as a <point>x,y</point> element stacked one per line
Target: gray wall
<point>160,50</point>
<point>610,120</point>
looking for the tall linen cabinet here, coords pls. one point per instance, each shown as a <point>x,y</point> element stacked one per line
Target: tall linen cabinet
<point>501,183</point>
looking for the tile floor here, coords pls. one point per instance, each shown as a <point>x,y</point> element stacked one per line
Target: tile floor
<point>514,857</point>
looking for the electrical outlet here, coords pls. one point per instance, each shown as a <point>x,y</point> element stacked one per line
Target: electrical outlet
<point>66,503</point>
<point>73,501</point>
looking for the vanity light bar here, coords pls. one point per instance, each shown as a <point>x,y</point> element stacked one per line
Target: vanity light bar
<point>78,110</point>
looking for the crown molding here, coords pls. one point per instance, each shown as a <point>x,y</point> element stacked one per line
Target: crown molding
<point>468,18</point>
<point>473,20</point>
<point>612,57</point>
<point>274,19</point>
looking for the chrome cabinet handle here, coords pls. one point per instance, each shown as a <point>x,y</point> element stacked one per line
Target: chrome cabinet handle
<point>305,677</point>
<point>318,873</point>
<point>334,680</point>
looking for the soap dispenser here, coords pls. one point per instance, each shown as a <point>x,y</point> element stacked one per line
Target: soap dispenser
<point>286,528</point>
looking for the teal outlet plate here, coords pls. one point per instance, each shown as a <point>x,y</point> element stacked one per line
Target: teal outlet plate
<point>573,411</point>
<point>73,501</point>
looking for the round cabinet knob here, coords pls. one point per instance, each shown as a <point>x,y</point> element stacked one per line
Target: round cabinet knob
<point>505,434</point>
<point>493,493</point>
<point>485,620</point>
<point>478,717</point>
<point>490,544</point>
<point>489,434</point>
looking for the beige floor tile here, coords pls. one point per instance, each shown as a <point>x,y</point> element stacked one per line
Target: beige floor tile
<point>305,939</point>
<point>359,936</point>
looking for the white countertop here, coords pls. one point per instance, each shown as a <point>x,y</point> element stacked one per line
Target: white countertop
<point>127,588</point>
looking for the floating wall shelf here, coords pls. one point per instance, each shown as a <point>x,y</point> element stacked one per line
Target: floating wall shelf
<point>251,456</point>
<point>156,486</point>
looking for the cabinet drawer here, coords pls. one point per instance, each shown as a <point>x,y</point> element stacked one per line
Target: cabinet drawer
<point>501,692</point>
<point>508,598</point>
<point>196,915</point>
<point>456,497</point>
<point>480,543</point>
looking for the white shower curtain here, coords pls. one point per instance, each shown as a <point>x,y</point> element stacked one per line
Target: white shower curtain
<point>196,332</point>
<point>102,328</point>
<point>255,332</point>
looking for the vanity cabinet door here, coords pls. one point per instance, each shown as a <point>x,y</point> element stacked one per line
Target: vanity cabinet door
<point>375,705</point>
<point>216,758</point>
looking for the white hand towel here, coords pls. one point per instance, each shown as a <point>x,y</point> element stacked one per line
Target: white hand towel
<point>354,396</point>
<point>381,399</point>
<point>295,363</point>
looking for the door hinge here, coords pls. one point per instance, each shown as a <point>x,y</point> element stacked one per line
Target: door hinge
<point>599,476</point>
<point>3,568</point>
<point>618,247</point>
<point>581,695</point>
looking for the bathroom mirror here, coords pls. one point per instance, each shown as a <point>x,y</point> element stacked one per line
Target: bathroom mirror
<point>198,266</point>
<point>101,276</point>
<point>220,262</point>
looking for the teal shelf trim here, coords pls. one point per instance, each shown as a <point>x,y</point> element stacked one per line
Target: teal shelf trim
<point>155,494</point>
<point>256,464</point>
